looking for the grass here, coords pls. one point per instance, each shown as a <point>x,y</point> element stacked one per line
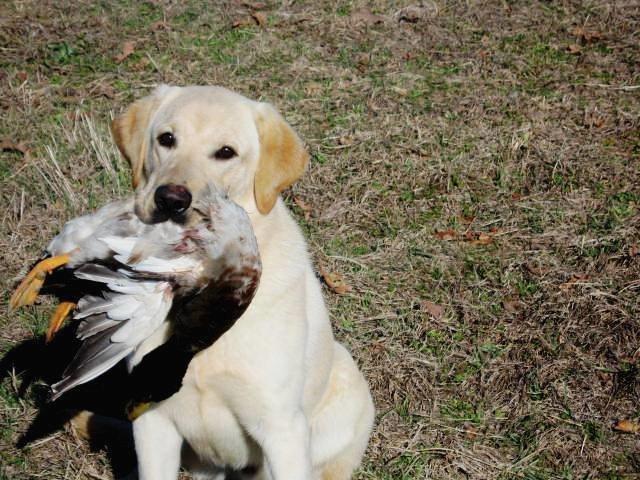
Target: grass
<point>477,119</point>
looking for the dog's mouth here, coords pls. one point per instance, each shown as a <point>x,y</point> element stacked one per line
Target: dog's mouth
<point>189,217</point>
<point>181,217</point>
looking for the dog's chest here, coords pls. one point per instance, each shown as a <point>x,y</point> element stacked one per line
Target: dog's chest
<point>211,429</point>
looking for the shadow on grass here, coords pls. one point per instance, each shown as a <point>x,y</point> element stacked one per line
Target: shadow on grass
<point>39,363</point>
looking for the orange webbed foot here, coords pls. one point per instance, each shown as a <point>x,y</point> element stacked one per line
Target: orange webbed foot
<point>58,318</point>
<point>28,290</point>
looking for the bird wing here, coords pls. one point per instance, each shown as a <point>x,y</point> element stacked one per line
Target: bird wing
<point>115,325</point>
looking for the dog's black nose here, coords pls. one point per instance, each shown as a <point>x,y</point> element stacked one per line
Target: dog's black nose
<point>171,198</point>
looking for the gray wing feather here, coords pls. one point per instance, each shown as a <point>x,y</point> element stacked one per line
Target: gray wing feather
<point>96,355</point>
<point>94,325</point>
<point>91,305</point>
<point>99,273</point>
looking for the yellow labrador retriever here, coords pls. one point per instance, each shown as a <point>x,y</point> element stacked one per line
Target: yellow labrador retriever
<point>276,397</point>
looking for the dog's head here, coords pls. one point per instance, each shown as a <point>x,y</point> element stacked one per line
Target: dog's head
<point>180,139</point>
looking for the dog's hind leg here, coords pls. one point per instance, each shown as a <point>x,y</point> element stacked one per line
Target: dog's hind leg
<point>342,422</point>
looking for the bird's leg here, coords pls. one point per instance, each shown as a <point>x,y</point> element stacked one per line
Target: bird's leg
<point>28,290</point>
<point>58,318</point>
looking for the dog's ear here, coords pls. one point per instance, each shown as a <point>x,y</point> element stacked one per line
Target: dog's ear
<point>130,131</point>
<point>283,157</point>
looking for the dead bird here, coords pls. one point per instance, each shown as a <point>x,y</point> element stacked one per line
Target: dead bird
<point>207,269</point>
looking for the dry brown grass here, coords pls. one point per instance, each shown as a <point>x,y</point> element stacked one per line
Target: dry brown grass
<point>514,124</point>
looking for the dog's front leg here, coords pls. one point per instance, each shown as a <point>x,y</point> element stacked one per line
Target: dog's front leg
<point>158,447</point>
<point>285,443</point>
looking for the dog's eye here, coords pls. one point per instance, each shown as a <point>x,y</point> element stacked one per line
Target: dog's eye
<point>225,153</point>
<point>167,140</point>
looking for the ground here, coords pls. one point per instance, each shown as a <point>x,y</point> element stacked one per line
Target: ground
<point>473,197</point>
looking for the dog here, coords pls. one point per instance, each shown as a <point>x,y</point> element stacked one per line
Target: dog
<point>276,397</point>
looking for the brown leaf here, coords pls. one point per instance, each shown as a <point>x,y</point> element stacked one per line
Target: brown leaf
<point>22,76</point>
<point>104,90</point>
<point>243,22</point>
<point>594,119</point>
<point>127,49</point>
<point>512,305</point>
<point>335,282</point>
<point>574,49</point>
<point>584,35</point>
<point>627,426</point>
<point>260,18</point>
<point>313,89</point>
<point>302,205</point>
<point>446,235</point>
<point>539,271</point>
<point>9,146</point>
<point>364,16</point>
<point>483,239</point>
<point>255,18</point>
<point>434,309</point>
<point>470,432</point>
<point>633,250</point>
<point>575,278</point>
<point>416,13</point>
<point>254,5</point>
<point>160,25</point>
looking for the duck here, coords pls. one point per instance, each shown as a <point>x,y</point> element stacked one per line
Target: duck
<point>185,283</point>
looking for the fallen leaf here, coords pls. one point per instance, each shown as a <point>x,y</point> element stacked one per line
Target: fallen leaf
<point>403,92</point>
<point>141,64</point>
<point>335,282</point>
<point>255,18</point>
<point>512,305</point>
<point>9,146</point>
<point>415,13</point>
<point>575,279</point>
<point>160,25</point>
<point>535,270</point>
<point>470,432</point>
<point>483,239</point>
<point>22,76</point>
<point>585,35</point>
<point>304,206</point>
<point>260,18</point>
<point>104,90</point>
<point>254,5</point>
<point>434,309</point>
<point>21,147</point>
<point>364,16</point>
<point>594,119</point>
<point>127,49</point>
<point>633,250</point>
<point>346,140</point>
<point>574,49</point>
<point>446,235</point>
<point>313,89</point>
<point>627,426</point>
<point>243,22</point>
